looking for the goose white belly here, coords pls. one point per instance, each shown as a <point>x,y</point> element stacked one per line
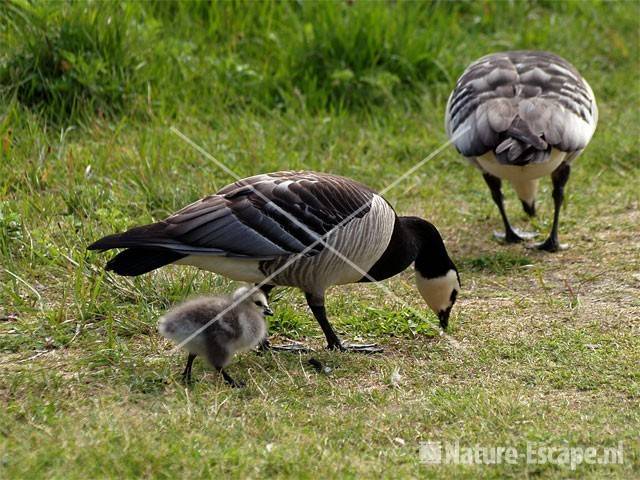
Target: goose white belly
<point>524,178</point>
<point>520,173</point>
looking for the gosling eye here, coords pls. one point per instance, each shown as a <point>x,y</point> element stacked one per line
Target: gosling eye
<point>258,303</point>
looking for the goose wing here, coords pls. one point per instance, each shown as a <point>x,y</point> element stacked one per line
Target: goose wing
<point>263,217</point>
<point>520,103</point>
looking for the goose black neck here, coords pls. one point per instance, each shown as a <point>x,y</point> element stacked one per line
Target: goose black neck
<point>413,240</point>
<point>432,259</point>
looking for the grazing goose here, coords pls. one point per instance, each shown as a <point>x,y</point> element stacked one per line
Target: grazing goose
<point>217,327</point>
<point>519,116</point>
<point>303,229</point>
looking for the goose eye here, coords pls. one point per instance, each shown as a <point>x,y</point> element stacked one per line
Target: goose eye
<point>258,303</point>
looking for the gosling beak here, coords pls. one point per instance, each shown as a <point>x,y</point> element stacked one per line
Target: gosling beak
<point>267,312</point>
<point>443,316</point>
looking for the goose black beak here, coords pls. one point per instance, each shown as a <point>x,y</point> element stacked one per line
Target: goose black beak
<point>267,312</point>
<point>443,316</point>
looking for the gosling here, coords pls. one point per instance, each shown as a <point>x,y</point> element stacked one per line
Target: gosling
<point>217,327</point>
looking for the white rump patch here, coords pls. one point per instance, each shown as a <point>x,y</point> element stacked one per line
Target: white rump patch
<point>240,269</point>
<point>524,178</point>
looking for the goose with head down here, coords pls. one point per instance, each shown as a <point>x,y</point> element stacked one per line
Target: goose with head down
<point>519,116</point>
<point>303,229</point>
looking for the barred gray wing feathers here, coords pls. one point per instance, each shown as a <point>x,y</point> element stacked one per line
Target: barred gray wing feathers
<point>520,105</point>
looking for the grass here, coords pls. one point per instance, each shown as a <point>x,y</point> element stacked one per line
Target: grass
<point>542,348</point>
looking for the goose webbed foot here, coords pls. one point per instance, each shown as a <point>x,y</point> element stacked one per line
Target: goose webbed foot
<point>363,348</point>
<point>514,235</point>
<point>550,245</point>
<point>292,347</point>
<point>316,304</point>
<point>356,347</point>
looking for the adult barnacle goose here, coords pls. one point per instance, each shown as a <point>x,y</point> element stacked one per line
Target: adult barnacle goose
<point>519,116</point>
<point>303,229</point>
<point>217,327</point>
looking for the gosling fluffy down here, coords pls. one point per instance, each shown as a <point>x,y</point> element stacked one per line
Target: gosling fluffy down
<point>217,327</point>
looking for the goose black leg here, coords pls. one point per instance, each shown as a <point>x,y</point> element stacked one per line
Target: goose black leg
<point>559,177</point>
<point>230,381</point>
<point>529,209</point>
<point>186,375</point>
<point>316,304</point>
<point>510,234</point>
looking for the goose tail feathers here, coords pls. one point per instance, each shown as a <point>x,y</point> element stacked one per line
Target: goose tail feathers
<point>136,261</point>
<point>521,145</point>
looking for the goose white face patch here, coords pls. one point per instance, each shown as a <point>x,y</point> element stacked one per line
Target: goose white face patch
<point>438,292</point>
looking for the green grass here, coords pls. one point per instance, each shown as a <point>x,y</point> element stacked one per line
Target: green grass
<point>542,348</point>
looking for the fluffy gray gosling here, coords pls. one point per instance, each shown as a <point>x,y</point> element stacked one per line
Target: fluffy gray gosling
<point>238,326</point>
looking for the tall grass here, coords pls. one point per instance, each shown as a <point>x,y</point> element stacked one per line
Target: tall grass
<point>72,61</point>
